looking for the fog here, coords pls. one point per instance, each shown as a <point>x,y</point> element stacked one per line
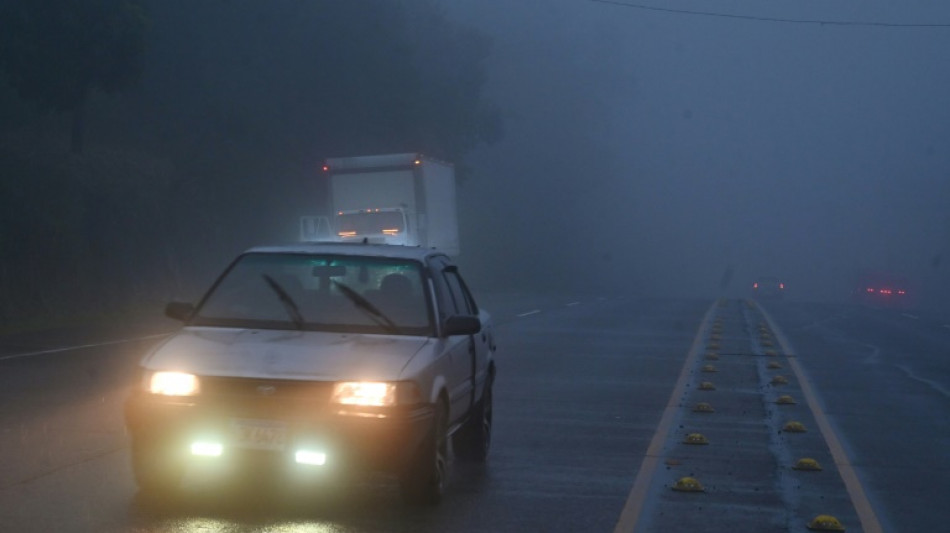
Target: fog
<point>674,148</point>
<point>669,148</point>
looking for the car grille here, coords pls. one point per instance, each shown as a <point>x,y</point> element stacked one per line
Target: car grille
<point>267,397</point>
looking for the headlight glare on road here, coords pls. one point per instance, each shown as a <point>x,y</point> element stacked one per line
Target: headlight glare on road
<point>364,393</point>
<point>173,384</point>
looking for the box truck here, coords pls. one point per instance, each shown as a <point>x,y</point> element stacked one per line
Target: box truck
<point>403,199</point>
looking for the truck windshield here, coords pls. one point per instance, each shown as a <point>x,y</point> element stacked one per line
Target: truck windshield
<point>370,223</point>
<point>310,295</point>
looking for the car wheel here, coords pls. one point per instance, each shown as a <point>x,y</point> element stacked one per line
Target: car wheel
<point>473,441</point>
<point>157,469</point>
<point>423,482</point>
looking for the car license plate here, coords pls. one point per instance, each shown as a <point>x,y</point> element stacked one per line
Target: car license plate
<point>259,434</point>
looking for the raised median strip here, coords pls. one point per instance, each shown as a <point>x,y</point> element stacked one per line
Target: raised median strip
<point>757,465</point>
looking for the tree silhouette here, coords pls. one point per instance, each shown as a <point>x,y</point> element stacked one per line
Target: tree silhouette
<point>55,52</point>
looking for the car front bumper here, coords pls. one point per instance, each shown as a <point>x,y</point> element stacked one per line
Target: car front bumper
<point>345,438</point>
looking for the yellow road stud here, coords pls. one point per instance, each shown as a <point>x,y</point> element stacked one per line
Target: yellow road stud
<point>696,438</point>
<point>794,427</point>
<point>688,484</point>
<point>824,522</point>
<point>807,463</point>
<point>785,399</point>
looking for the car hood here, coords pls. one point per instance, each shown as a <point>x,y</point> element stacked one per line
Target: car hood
<point>303,355</point>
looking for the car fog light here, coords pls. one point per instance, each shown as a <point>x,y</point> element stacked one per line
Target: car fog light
<point>308,457</point>
<point>207,449</point>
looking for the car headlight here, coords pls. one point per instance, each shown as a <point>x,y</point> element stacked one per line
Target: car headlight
<point>374,393</point>
<point>173,384</point>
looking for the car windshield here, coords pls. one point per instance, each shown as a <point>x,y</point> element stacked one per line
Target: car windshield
<point>319,293</point>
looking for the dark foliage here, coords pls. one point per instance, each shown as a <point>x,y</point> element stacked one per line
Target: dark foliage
<point>216,148</point>
<point>56,51</point>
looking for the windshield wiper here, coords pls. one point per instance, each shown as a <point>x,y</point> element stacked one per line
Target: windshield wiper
<point>289,304</point>
<point>372,311</point>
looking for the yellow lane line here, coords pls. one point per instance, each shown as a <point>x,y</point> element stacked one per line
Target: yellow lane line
<point>859,499</point>
<point>641,484</point>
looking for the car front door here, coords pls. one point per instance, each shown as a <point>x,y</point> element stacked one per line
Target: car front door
<point>459,349</point>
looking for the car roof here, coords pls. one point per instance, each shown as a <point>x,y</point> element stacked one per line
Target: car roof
<point>395,251</point>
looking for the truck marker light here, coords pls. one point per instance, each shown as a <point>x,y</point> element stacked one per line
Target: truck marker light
<point>310,457</point>
<point>207,449</point>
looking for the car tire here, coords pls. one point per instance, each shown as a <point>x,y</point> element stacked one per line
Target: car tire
<point>473,440</point>
<point>158,471</point>
<point>423,482</point>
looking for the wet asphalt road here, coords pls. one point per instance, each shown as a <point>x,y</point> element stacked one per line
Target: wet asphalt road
<point>583,386</point>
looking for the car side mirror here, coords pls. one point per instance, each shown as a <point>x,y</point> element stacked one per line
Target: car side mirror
<point>179,310</point>
<point>462,325</point>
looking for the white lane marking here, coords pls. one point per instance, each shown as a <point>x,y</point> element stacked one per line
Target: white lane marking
<point>80,347</point>
<point>572,304</point>
<point>533,312</point>
<point>875,357</point>
<point>932,384</point>
<point>910,316</point>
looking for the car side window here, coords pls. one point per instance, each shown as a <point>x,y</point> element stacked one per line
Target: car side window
<point>473,307</point>
<point>442,291</point>
<point>464,304</point>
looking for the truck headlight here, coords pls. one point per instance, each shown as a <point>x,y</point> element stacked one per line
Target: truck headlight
<point>173,384</point>
<point>374,393</point>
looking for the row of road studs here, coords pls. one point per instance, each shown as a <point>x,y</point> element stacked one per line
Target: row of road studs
<point>742,379</point>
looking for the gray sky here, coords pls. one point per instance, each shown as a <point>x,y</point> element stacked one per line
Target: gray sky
<point>668,146</point>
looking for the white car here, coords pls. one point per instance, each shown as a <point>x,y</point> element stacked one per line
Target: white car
<point>321,356</point>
